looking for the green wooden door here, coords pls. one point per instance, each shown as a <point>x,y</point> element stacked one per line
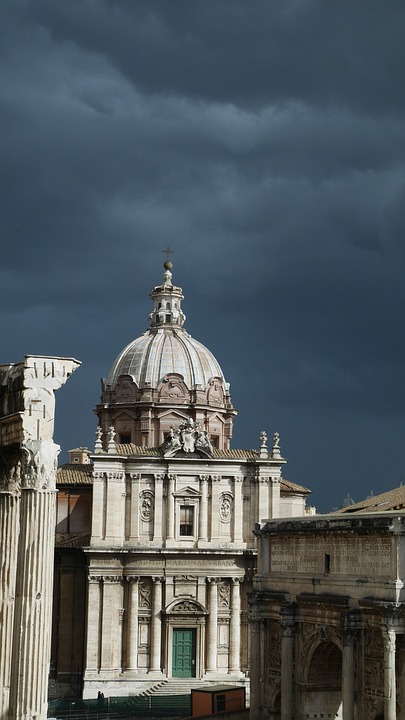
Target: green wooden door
<point>183,652</point>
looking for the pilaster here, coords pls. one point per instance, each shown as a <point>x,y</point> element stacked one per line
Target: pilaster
<point>234,627</point>
<point>212,630</point>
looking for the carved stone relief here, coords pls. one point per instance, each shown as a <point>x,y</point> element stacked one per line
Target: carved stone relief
<point>224,595</point>
<point>146,507</point>
<point>226,508</point>
<point>144,595</point>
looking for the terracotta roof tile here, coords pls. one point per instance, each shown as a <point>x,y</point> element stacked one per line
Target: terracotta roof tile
<point>390,500</point>
<point>288,486</point>
<point>74,474</point>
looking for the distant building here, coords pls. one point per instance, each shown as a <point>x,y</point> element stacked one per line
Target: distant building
<point>328,615</point>
<point>155,577</point>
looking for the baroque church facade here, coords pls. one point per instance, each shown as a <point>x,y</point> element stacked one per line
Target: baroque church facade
<point>155,550</point>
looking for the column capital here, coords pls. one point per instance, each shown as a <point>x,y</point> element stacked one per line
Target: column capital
<point>158,579</point>
<point>159,477</point>
<point>351,622</point>
<point>237,580</point>
<point>136,476</point>
<point>172,477</point>
<point>132,578</point>
<point>203,478</point>
<point>213,580</point>
<point>112,579</point>
<point>94,579</point>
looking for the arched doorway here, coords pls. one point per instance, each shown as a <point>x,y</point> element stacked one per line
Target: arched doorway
<point>184,638</point>
<point>323,687</point>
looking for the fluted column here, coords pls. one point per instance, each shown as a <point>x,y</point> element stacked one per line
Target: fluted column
<point>390,694</point>
<point>28,394</point>
<point>234,627</point>
<point>132,629</point>
<point>10,500</point>
<point>212,630</point>
<point>238,509</point>
<point>156,626</point>
<point>93,625</point>
<point>287,695</point>
<point>170,507</point>
<point>33,606</point>
<point>203,524</point>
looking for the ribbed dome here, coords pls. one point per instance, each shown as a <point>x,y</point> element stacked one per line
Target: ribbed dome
<point>162,351</point>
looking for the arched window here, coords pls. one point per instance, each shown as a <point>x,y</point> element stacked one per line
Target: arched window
<point>326,666</point>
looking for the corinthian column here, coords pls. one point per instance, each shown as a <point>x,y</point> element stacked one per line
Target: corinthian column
<point>10,500</point>
<point>390,694</point>
<point>27,410</point>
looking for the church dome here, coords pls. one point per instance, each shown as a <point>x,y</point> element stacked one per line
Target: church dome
<point>164,378</point>
<point>166,347</point>
<point>151,357</point>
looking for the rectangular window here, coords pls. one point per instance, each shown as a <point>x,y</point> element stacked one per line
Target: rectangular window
<point>186,520</point>
<point>125,438</point>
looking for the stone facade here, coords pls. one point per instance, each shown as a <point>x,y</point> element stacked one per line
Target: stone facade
<point>328,618</point>
<point>172,554</point>
<point>27,524</point>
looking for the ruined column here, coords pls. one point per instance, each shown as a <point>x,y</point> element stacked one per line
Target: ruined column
<point>10,501</point>
<point>27,409</point>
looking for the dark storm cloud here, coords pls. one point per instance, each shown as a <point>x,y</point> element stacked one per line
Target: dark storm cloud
<point>265,142</point>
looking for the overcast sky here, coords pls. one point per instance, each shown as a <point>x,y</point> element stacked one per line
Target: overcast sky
<point>264,141</point>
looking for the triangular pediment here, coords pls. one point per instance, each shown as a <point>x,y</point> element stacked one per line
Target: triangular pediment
<point>187,492</point>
